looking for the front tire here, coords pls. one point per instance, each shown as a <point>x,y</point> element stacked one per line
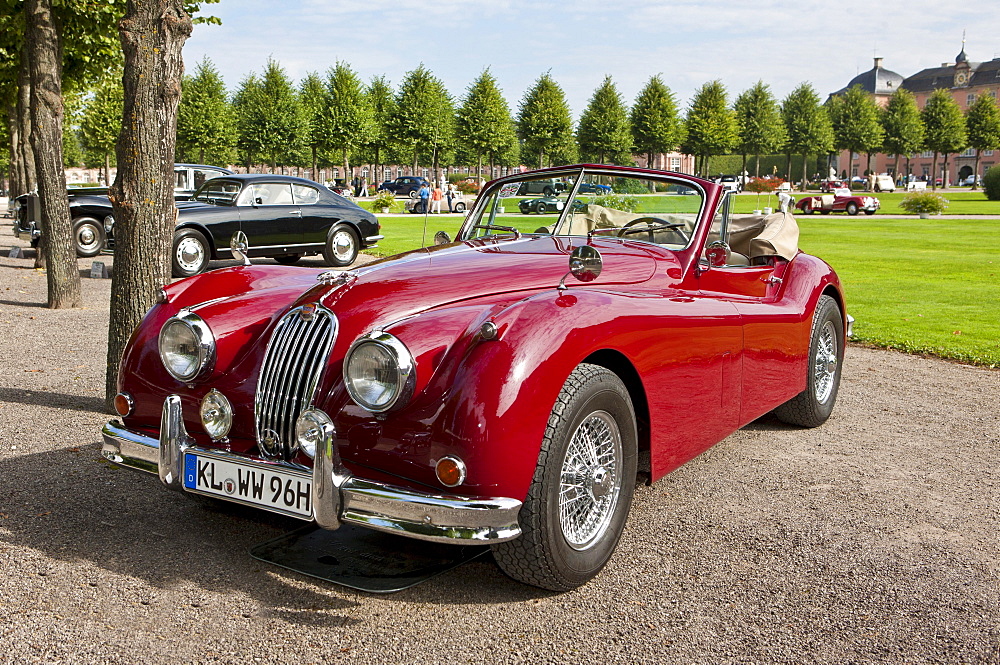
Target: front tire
<point>852,208</point>
<point>341,248</point>
<point>288,259</point>
<point>580,495</point>
<point>88,237</point>
<point>191,253</point>
<point>813,406</point>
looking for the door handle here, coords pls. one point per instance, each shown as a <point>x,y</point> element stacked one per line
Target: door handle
<point>297,212</point>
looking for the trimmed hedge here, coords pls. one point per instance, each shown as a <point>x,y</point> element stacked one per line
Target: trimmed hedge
<point>991,183</point>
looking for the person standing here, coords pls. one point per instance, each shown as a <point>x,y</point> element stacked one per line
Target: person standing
<point>436,197</point>
<point>449,193</point>
<point>424,194</point>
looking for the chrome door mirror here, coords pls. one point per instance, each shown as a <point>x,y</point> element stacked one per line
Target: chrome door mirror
<point>240,247</point>
<point>585,263</point>
<point>717,253</point>
<point>442,238</point>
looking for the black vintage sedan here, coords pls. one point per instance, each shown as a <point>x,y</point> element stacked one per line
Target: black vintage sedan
<point>284,218</point>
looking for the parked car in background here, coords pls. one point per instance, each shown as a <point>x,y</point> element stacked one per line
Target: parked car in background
<point>92,215</point>
<point>458,204</point>
<point>494,390</point>
<point>406,185</point>
<point>827,186</point>
<point>283,217</point>
<point>884,183</point>
<point>841,200</point>
<point>731,183</point>
<point>594,188</point>
<point>546,187</point>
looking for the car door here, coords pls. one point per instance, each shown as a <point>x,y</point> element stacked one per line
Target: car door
<point>315,214</point>
<point>269,217</point>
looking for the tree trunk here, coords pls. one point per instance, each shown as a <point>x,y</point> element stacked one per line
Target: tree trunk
<point>975,171</point>
<point>107,169</point>
<point>934,171</point>
<point>744,167</point>
<point>45,57</point>
<point>805,172</point>
<point>788,166</point>
<point>14,151</point>
<point>152,35</point>
<point>314,175</point>
<point>28,175</point>
<point>944,171</point>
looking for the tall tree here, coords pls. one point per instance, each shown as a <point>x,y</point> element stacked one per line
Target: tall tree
<point>152,33</point>
<point>249,109</point>
<point>544,123</point>
<point>983,122</point>
<point>101,122</point>
<point>381,140</point>
<point>44,51</point>
<point>347,117</point>
<point>484,121</point>
<point>424,117</point>
<point>856,124</point>
<point>944,129</point>
<point>807,125</point>
<point>604,132</point>
<point>312,99</point>
<point>206,130</point>
<point>656,125</point>
<point>711,125</point>
<point>759,124</point>
<point>269,121</point>
<point>904,130</point>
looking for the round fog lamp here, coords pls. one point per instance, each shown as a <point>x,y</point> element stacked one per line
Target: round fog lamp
<point>123,404</point>
<point>450,471</point>
<point>312,428</point>
<point>216,414</point>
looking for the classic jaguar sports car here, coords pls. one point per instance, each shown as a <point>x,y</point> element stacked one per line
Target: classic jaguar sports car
<point>841,200</point>
<point>497,389</point>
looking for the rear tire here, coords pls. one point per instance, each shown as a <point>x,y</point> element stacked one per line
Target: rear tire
<point>88,237</point>
<point>813,406</point>
<point>341,248</point>
<point>191,253</point>
<point>580,495</point>
<point>288,259</point>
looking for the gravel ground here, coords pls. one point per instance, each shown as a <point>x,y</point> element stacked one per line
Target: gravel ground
<point>872,539</point>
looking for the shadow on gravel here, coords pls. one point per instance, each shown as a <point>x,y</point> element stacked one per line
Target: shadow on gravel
<point>21,303</point>
<point>58,400</point>
<point>770,423</point>
<point>71,505</point>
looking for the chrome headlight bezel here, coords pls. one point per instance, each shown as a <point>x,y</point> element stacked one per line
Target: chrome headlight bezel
<point>404,378</point>
<point>216,415</point>
<point>203,341</point>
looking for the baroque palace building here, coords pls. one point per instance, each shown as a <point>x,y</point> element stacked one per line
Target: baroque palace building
<point>966,80</point>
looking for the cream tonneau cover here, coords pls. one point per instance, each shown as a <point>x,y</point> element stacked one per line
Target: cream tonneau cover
<point>763,235</point>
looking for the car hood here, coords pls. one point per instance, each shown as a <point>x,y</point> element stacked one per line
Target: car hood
<point>392,289</point>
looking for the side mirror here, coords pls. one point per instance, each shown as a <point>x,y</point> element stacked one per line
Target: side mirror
<point>585,263</point>
<point>240,247</point>
<point>442,238</point>
<point>717,253</point>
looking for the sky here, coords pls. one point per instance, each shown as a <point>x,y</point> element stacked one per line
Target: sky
<point>688,42</point>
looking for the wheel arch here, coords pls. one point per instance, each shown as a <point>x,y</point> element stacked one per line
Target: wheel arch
<point>616,362</point>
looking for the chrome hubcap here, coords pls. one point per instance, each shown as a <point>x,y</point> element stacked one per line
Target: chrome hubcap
<point>190,254</point>
<point>825,367</point>
<point>590,480</point>
<point>343,245</point>
<point>86,237</point>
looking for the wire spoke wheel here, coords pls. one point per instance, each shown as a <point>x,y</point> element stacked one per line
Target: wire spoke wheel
<point>590,480</point>
<point>826,362</point>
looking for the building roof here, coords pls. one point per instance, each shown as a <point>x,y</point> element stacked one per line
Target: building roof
<point>878,80</point>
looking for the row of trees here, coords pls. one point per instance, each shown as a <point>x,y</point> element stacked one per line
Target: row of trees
<point>337,119</point>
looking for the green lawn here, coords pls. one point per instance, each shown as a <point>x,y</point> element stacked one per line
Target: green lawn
<point>925,286</point>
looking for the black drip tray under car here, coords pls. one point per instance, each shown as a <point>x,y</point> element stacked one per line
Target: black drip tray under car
<point>363,559</point>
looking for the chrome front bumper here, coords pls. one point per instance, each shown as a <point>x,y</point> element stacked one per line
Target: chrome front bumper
<point>337,496</point>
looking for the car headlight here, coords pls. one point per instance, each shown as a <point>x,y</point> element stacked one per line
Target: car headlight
<point>187,346</point>
<point>216,414</point>
<point>379,372</point>
<point>109,223</point>
<point>312,428</point>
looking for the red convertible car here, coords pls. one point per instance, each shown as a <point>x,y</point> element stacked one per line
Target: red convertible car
<point>497,389</point>
<point>841,200</point>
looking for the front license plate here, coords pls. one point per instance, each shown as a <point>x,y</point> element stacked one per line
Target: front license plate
<point>256,485</point>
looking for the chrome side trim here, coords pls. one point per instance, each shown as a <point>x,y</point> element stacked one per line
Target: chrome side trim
<point>337,496</point>
<point>850,326</point>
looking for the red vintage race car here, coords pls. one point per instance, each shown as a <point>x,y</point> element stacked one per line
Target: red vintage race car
<point>497,389</point>
<point>841,200</point>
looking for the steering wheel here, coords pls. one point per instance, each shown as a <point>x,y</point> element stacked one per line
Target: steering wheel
<point>652,225</point>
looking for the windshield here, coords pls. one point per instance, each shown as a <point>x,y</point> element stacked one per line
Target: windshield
<point>663,210</point>
<point>218,191</point>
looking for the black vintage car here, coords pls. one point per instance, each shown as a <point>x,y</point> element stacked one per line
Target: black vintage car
<point>405,185</point>
<point>283,217</point>
<point>90,209</point>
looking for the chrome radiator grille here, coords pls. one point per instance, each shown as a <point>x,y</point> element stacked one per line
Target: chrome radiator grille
<point>293,365</point>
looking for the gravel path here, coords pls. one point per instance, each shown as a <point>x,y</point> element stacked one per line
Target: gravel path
<point>872,539</point>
